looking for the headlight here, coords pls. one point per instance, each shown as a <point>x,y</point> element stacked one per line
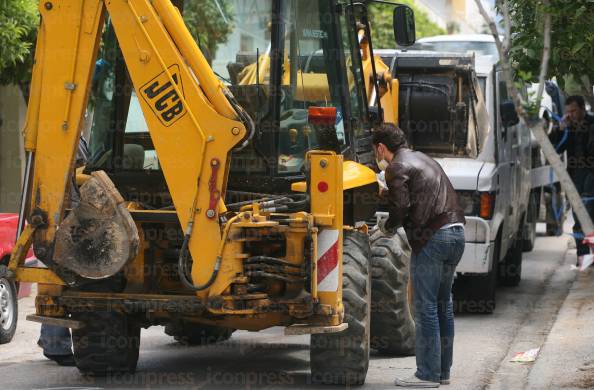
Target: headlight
<point>477,203</point>
<point>468,200</point>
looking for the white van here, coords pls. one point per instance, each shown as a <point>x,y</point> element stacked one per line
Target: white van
<point>544,191</point>
<point>455,109</point>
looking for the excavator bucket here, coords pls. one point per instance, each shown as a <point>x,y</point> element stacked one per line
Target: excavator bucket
<point>98,237</point>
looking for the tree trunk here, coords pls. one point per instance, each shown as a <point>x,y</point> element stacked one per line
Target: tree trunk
<point>571,192</point>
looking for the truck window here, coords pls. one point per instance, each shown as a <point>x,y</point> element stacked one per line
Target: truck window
<point>428,105</point>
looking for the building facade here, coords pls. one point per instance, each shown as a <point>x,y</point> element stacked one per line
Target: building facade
<point>457,16</point>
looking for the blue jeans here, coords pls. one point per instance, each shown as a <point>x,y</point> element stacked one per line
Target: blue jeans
<point>432,274</point>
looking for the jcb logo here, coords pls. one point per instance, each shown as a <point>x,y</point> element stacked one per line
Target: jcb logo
<point>162,97</point>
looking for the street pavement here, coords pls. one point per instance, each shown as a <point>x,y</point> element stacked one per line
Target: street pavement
<point>537,313</point>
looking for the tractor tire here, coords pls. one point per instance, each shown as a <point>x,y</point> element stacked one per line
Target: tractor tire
<point>107,344</point>
<point>188,333</point>
<point>343,358</point>
<point>510,270</point>
<point>392,324</point>
<point>9,307</point>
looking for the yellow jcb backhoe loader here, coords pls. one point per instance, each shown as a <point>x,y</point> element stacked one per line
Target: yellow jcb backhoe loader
<point>222,192</point>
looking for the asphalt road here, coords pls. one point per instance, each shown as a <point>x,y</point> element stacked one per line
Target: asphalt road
<point>483,346</point>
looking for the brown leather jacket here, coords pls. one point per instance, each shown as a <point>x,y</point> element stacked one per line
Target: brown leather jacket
<point>420,197</point>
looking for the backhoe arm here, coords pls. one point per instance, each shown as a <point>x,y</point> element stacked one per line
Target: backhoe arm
<point>192,119</point>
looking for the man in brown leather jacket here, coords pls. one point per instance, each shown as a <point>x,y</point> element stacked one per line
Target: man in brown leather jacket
<point>423,201</point>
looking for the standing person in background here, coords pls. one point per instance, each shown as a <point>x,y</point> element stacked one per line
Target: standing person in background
<point>575,136</point>
<point>423,201</point>
<point>56,341</point>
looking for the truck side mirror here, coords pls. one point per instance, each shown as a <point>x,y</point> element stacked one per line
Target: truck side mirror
<point>404,25</point>
<point>509,116</point>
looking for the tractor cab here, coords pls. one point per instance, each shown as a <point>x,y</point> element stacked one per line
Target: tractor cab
<point>296,67</point>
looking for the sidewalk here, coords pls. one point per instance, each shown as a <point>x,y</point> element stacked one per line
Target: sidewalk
<point>566,360</point>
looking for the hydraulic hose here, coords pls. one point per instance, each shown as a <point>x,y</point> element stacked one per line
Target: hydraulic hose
<point>244,117</point>
<point>181,263</point>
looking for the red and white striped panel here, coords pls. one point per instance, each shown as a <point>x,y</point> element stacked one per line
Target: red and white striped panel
<point>327,260</point>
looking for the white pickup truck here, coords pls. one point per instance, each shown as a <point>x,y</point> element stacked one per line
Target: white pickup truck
<point>455,109</point>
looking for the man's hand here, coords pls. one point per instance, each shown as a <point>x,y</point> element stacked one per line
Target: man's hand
<point>386,231</point>
<point>565,122</point>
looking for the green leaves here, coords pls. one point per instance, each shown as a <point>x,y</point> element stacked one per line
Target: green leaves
<point>577,47</point>
<point>527,76</point>
<point>210,22</point>
<point>572,38</point>
<point>18,27</point>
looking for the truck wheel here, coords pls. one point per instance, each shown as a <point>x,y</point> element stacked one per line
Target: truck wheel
<point>392,325</point>
<point>9,307</point>
<point>343,358</point>
<point>197,334</point>
<point>510,270</point>
<point>477,293</point>
<point>529,228</point>
<point>108,343</point>
<point>554,229</point>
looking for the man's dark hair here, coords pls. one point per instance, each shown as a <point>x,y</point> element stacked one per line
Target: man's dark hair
<point>391,136</point>
<point>577,99</point>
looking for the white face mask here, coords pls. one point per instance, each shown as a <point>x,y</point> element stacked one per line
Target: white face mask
<point>382,165</point>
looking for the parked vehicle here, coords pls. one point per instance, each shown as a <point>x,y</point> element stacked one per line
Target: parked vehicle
<point>456,109</point>
<point>477,44</point>
<point>547,200</point>
<point>8,291</point>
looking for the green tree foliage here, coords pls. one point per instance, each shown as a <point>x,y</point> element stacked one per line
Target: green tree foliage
<point>18,28</point>
<point>382,24</point>
<point>210,22</point>
<point>572,40</point>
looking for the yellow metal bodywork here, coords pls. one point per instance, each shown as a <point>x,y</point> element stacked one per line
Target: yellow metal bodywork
<point>140,33</point>
<point>65,53</point>
<point>29,274</point>
<point>389,87</point>
<point>156,46</point>
<point>310,86</point>
<point>354,175</point>
<point>194,128</point>
<point>327,210</point>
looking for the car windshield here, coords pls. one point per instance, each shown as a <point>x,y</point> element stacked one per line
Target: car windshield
<point>465,47</point>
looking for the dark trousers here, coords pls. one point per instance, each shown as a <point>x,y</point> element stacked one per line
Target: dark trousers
<point>55,340</point>
<point>585,186</point>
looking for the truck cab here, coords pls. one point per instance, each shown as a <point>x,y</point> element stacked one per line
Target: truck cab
<point>454,107</point>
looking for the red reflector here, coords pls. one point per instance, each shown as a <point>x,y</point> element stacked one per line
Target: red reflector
<point>322,115</point>
<point>322,186</point>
